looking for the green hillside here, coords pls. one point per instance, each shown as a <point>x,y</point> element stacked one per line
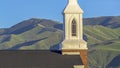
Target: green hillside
<point>104,45</point>
<point>40,34</point>
<point>110,21</point>
<point>102,35</point>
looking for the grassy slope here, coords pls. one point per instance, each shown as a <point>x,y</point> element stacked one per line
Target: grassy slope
<point>103,45</point>
<point>110,21</point>
<point>37,38</point>
<point>100,58</point>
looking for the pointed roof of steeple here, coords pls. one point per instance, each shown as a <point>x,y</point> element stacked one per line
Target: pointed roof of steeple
<point>73,7</point>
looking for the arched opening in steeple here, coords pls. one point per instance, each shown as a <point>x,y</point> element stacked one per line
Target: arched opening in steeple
<point>74,28</point>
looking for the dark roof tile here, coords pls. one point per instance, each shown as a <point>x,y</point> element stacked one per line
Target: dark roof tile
<point>37,59</point>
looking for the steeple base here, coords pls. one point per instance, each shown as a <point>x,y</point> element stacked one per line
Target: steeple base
<point>76,47</point>
<point>73,47</point>
<point>71,51</point>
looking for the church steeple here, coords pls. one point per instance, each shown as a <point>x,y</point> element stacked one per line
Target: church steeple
<point>73,26</point>
<point>74,43</point>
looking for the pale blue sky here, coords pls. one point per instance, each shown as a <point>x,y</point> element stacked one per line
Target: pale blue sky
<point>15,11</point>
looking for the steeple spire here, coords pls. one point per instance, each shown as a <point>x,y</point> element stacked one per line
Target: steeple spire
<point>73,7</point>
<point>72,1</point>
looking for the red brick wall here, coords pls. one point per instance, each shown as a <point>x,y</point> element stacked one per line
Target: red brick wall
<point>84,57</point>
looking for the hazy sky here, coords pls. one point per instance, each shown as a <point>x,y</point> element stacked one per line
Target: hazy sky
<point>15,11</point>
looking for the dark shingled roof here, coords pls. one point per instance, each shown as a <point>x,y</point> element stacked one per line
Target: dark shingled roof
<point>37,59</point>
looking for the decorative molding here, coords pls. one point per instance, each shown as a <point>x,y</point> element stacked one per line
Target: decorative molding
<point>78,66</point>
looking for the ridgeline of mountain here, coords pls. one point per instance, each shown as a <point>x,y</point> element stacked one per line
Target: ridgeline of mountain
<point>110,21</point>
<point>30,24</point>
<point>102,35</point>
<point>31,34</point>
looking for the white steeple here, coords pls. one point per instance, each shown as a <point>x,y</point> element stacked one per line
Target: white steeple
<point>73,41</point>
<point>73,7</point>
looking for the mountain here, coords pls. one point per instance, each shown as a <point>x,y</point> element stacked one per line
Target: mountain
<point>102,35</point>
<point>104,44</point>
<point>110,21</point>
<point>31,34</point>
